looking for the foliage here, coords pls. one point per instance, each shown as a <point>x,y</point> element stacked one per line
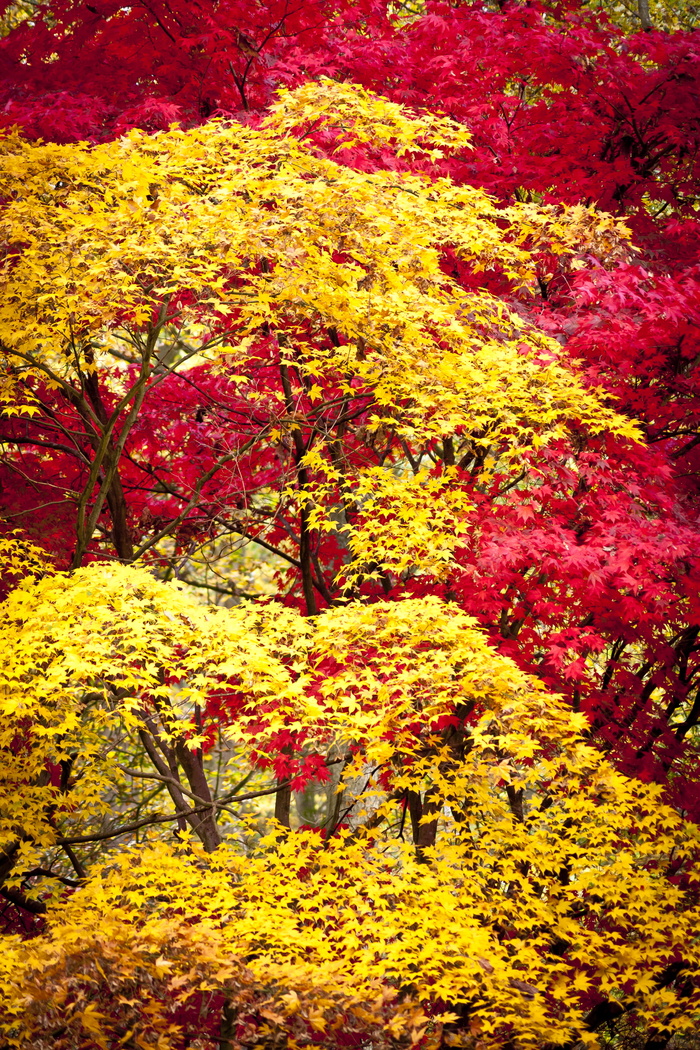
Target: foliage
<point>403,403</point>
<point>549,876</point>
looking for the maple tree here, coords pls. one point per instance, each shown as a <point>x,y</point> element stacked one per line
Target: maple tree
<point>563,107</point>
<point>296,350</point>
<point>536,908</point>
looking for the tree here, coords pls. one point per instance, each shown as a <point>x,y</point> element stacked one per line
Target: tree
<point>538,911</point>
<point>563,107</point>
<point>310,332</point>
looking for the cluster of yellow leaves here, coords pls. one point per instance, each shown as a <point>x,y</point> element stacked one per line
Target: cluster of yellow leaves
<point>232,235</point>
<point>359,116</point>
<point>547,876</point>
<point>252,224</point>
<point>396,520</point>
<point>668,16</point>
<point>181,935</point>
<point>573,229</point>
<point>18,558</point>
<point>107,648</point>
<point>346,937</point>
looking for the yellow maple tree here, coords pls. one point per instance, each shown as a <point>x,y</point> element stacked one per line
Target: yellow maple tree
<point>533,873</point>
<point>234,234</point>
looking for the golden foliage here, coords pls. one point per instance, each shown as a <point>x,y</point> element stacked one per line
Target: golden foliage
<point>548,873</point>
<point>256,226</point>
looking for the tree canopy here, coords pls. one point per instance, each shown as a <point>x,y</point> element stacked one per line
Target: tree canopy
<point>349,536</point>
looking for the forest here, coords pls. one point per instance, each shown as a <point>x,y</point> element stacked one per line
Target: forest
<point>349,525</point>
